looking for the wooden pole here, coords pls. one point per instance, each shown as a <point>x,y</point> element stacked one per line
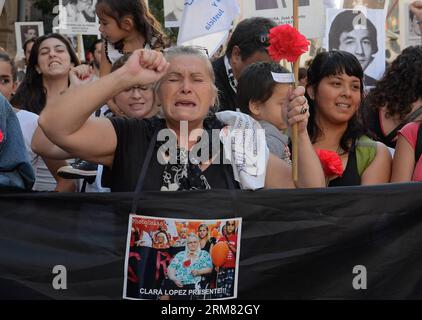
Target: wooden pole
<point>80,53</point>
<point>296,73</point>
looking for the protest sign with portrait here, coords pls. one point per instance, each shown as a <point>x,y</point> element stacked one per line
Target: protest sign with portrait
<point>173,259</point>
<point>25,31</point>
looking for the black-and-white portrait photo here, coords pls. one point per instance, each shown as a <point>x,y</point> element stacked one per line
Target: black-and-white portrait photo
<point>29,32</point>
<point>79,11</point>
<point>274,4</point>
<point>352,31</point>
<point>369,4</point>
<point>410,31</point>
<point>78,17</point>
<point>25,31</point>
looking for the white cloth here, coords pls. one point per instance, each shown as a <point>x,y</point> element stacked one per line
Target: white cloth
<point>44,181</point>
<point>212,21</point>
<point>113,54</point>
<point>245,147</point>
<point>97,186</point>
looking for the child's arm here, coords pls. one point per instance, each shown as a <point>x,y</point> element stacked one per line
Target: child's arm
<point>310,174</point>
<point>105,65</point>
<point>105,69</point>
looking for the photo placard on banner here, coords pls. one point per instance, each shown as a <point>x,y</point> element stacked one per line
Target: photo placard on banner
<point>361,33</point>
<point>311,23</point>
<point>78,17</point>
<point>175,259</point>
<point>25,31</point>
<point>410,33</point>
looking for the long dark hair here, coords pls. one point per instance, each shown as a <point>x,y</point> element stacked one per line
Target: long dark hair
<point>145,22</point>
<point>31,94</point>
<point>327,64</point>
<point>400,86</point>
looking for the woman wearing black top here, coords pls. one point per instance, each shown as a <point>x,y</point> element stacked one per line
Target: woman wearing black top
<point>186,92</point>
<point>335,90</point>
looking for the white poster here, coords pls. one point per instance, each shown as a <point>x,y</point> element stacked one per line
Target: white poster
<point>173,12</point>
<point>78,17</point>
<point>410,33</point>
<point>361,33</point>
<point>369,4</point>
<point>25,31</point>
<point>356,4</point>
<point>311,13</point>
<point>207,23</point>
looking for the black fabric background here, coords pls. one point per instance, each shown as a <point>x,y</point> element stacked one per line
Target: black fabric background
<point>296,244</point>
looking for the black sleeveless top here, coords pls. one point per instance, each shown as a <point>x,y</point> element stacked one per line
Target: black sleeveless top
<point>374,122</point>
<point>351,175</point>
<point>133,139</point>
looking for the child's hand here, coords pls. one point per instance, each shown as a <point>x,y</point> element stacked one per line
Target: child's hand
<point>81,75</point>
<point>298,109</point>
<point>146,66</point>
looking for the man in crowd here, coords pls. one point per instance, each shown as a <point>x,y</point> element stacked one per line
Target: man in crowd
<point>248,44</point>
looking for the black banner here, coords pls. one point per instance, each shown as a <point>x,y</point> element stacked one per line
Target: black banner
<point>296,244</point>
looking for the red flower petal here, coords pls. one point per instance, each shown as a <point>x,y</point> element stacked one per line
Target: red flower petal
<point>331,162</point>
<point>286,43</point>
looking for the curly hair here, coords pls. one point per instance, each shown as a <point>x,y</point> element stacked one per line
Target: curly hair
<point>400,86</point>
<point>145,23</point>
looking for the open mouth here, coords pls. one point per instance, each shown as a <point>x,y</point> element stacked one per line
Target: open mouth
<point>185,104</point>
<point>343,105</point>
<point>54,63</point>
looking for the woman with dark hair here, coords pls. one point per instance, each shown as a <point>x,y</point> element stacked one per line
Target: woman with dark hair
<point>335,90</point>
<point>47,76</point>
<point>47,73</point>
<point>397,98</point>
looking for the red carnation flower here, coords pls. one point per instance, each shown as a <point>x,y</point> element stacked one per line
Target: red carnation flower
<point>186,263</point>
<point>331,162</point>
<point>286,43</point>
<point>1,136</point>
